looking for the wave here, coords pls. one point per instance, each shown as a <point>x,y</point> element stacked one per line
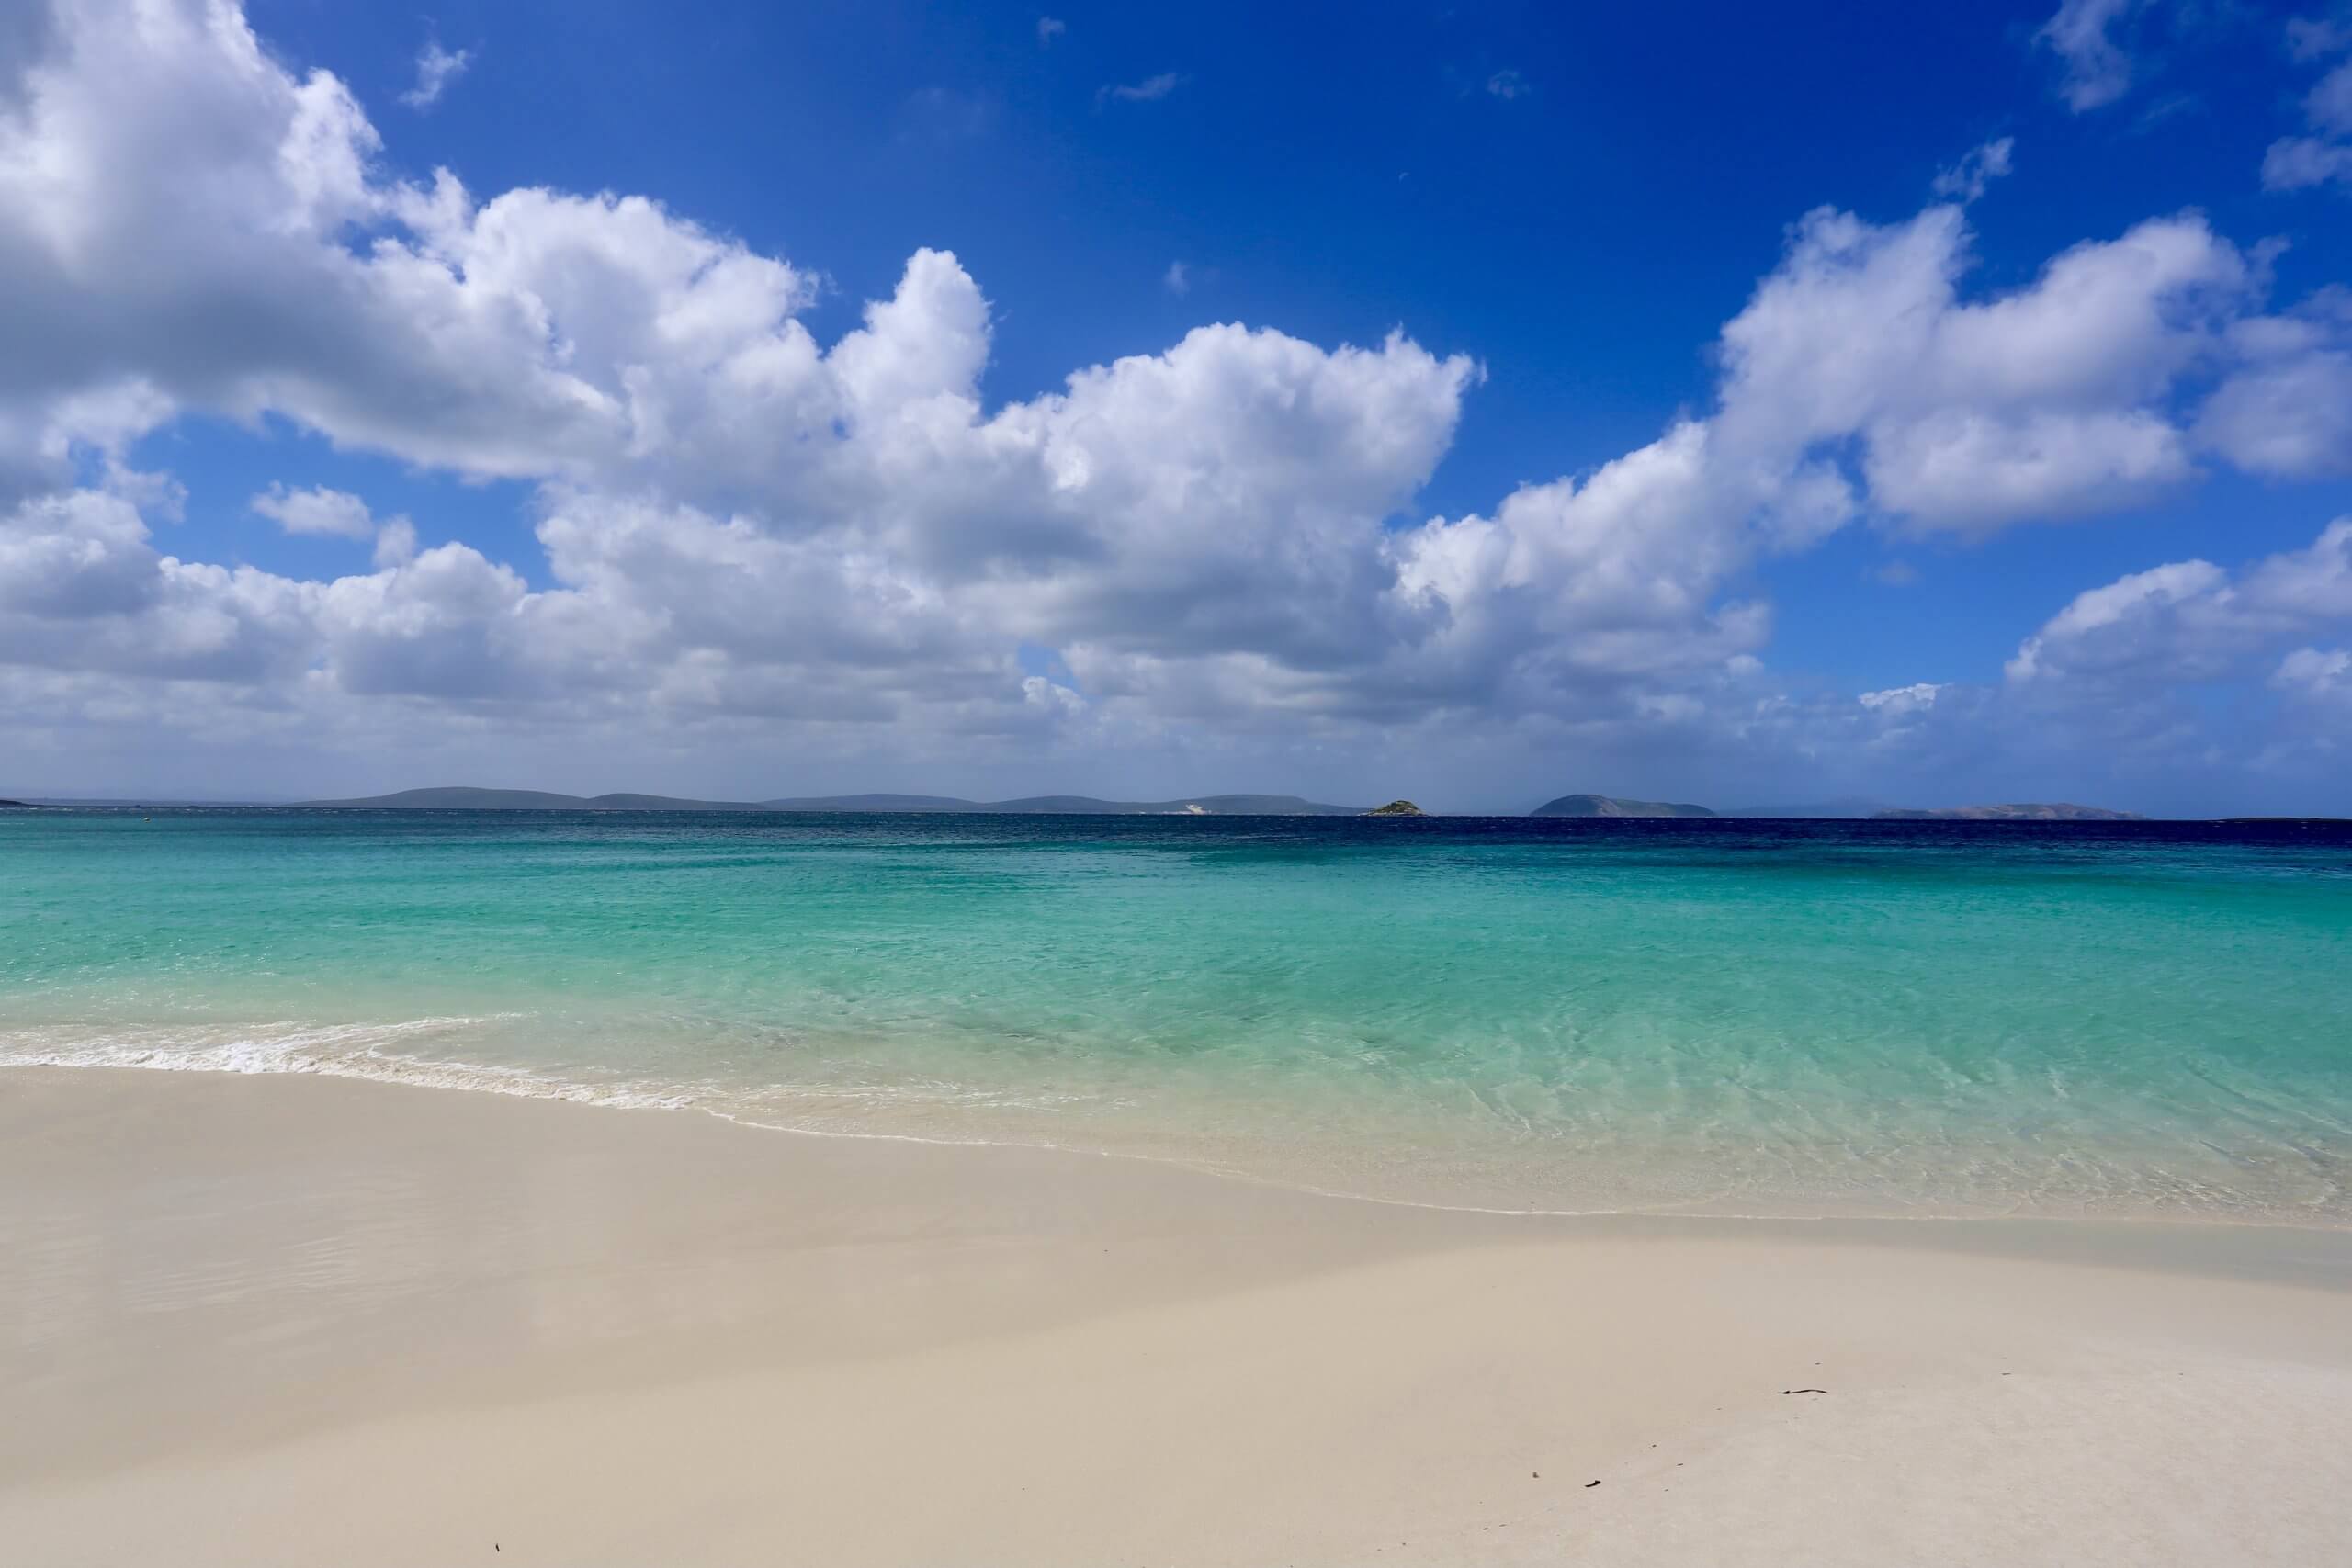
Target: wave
<point>336,1050</point>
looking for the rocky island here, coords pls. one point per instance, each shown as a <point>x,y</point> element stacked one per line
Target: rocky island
<point>1606,805</point>
<point>1396,808</point>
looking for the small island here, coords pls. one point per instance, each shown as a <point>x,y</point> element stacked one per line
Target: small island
<point>1396,808</point>
<point>2061,811</point>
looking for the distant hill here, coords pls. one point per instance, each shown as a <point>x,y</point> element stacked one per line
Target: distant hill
<point>1604,806</point>
<point>463,798</point>
<point>134,802</point>
<point>1842,809</point>
<point>1193,805</point>
<point>2025,812</point>
<point>869,803</point>
<point>1077,806</point>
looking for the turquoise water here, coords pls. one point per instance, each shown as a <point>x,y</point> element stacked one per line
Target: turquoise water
<point>1850,1018</point>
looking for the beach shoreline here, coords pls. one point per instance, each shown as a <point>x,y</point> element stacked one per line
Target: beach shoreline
<point>1762,1022</point>
<point>388,1321</point>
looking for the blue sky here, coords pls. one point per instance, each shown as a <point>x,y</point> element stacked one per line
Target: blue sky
<point>1471,562</point>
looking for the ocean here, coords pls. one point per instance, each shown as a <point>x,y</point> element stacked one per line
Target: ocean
<point>2125,1021</point>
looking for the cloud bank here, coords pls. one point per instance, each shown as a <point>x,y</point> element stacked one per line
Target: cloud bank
<point>756,542</point>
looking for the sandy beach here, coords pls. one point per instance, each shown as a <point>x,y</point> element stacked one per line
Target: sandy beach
<point>285,1319</point>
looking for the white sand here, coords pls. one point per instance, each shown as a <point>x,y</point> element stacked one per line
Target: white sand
<point>263,1321</point>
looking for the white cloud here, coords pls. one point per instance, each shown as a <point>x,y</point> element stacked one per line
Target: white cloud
<point>2317,683</point>
<point>1969,469</point>
<point>2329,106</point>
<point>2315,38</point>
<point>2317,670</point>
<point>2184,671</point>
<point>1969,178</point>
<point>1898,701</point>
<point>2297,163</point>
<point>2055,400</point>
<point>1177,279</point>
<point>2191,620</point>
<point>316,510</point>
<point>2289,417</point>
<point>1049,28</point>
<point>436,69</point>
<point>2193,668</point>
<point>1507,84</point>
<point>83,590</point>
<point>2096,70</point>
<point>395,543</point>
<point>194,232</point>
<point>1151,89</point>
<point>2072,640</point>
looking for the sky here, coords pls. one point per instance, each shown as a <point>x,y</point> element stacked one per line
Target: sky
<point>1471,402</point>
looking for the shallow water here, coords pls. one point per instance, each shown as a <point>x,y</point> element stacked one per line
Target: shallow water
<point>2129,1020</point>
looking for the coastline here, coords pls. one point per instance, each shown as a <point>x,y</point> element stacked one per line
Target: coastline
<point>324,1052</point>
<point>393,1320</point>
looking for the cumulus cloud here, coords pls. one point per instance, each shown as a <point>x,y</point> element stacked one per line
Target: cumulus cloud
<point>83,590</point>
<point>2324,156</point>
<point>316,510</point>
<point>748,532</point>
<point>1177,279</point>
<point>436,69</point>
<point>2184,670</point>
<point>2316,38</point>
<point>2285,410</point>
<point>339,514</point>
<point>2324,671</point>
<point>395,542</point>
<point>2096,71</point>
<point>1969,178</point>
<point>1896,701</point>
<point>2055,400</point>
<point>190,254</point>
<point>2317,683</point>
<point>2191,620</point>
<point>2329,106</point>
<point>2296,163</point>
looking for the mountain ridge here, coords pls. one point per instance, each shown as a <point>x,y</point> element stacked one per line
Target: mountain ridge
<point>1850,809</point>
<point>467,797</point>
<point>2015,811</point>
